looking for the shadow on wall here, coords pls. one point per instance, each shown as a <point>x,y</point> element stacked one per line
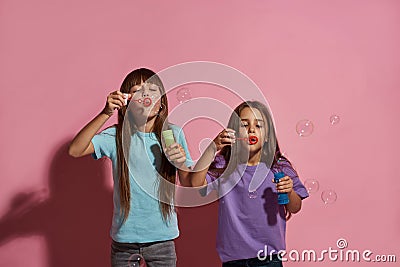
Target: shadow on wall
<point>74,217</point>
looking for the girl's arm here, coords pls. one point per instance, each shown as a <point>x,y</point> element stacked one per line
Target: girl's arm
<point>197,176</point>
<point>294,204</point>
<point>81,145</point>
<point>176,154</point>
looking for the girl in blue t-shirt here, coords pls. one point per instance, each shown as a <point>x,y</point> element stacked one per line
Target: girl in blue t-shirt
<point>144,220</point>
<point>251,223</point>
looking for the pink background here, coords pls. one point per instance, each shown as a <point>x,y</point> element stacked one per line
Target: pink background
<point>312,59</point>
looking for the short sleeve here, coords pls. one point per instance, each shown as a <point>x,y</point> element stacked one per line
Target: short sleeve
<point>104,143</point>
<point>298,186</point>
<point>181,139</point>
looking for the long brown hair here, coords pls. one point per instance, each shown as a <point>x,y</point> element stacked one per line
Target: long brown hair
<point>166,193</point>
<point>271,154</point>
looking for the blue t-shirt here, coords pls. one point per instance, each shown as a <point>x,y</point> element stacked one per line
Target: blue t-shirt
<point>145,221</point>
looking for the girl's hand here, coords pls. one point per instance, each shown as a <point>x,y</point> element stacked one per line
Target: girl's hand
<point>225,138</point>
<point>115,100</point>
<point>285,185</point>
<point>176,154</point>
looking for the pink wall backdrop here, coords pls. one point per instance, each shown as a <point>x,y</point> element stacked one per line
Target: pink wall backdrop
<point>312,59</point>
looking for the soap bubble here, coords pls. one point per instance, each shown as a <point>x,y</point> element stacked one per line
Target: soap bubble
<point>329,196</point>
<point>311,185</point>
<point>136,260</point>
<point>304,128</point>
<point>334,119</point>
<point>183,95</point>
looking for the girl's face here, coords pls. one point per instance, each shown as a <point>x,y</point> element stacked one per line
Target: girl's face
<point>146,99</point>
<point>252,124</point>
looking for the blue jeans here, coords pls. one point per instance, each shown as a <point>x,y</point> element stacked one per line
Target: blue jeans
<point>156,254</point>
<point>255,262</point>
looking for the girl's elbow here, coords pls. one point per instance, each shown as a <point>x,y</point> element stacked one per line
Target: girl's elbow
<point>183,178</point>
<point>72,151</point>
<point>294,208</point>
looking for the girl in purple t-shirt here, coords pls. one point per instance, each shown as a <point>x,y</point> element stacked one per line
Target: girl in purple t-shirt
<point>251,224</point>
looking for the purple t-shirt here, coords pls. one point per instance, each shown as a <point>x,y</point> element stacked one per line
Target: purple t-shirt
<point>247,222</point>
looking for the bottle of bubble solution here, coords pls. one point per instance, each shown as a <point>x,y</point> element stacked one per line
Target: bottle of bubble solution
<point>283,198</point>
<point>168,137</point>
